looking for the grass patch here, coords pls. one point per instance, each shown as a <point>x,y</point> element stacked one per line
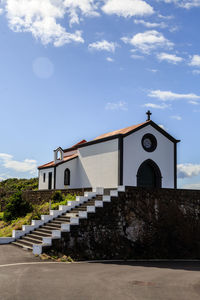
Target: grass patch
<point>1,216</point>
<point>6,228</point>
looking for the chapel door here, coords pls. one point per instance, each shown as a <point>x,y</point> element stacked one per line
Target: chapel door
<point>149,175</point>
<point>50,181</point>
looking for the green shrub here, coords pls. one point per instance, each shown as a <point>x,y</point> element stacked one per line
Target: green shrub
<point>57,197</point>
<point>56,205</point>
<point>1,216</point>
<point>70,197</point>
<point>16,207</point>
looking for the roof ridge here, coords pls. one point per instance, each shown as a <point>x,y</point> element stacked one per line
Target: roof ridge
<point>119,131</point>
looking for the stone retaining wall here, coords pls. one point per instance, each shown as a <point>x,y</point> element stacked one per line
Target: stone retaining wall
<point>39,197</point>
<point>140,223</point>
<point>42,196</point>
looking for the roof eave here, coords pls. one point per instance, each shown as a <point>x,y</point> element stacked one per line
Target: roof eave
<point>101,140</point>
<point>162,131</point>
<point>55,165</point>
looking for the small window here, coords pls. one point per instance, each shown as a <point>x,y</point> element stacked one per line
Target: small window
<point>44,177</point>
<point>67,177</point>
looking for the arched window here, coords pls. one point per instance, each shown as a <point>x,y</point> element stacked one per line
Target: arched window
<point>67,177</point>
<point>58,155</point>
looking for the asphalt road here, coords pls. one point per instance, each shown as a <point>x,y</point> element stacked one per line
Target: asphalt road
<point>23,276</point>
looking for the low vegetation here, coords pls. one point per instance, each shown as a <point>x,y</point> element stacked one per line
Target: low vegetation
<point>16,207</point>
<point>15,184</point>
<point>57,258</point>
<point>18,212</point>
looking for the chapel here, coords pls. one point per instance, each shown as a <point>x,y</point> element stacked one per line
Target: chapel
<point>142,155</point>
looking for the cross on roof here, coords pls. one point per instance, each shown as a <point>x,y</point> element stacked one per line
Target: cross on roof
<point>148,113</point>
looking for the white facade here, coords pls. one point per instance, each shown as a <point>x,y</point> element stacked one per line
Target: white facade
<point>135,155</point>
<point>112,161</point>
<point>100,163</point>
<point>44,178</point>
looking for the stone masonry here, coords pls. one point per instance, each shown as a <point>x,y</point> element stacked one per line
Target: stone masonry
<point>139,223</point>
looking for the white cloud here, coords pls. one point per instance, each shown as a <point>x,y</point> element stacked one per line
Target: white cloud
<point>171,58</point>
<point>185,3</point>
<point>127,8</point>
<point>150,25</point>
<point>168,95</point>
<point>190,4</point>
<point>110,59</point>
<point>174,28</point>
<point>148,40</point>
<point>157,106</point>
<point>4,176</point>
<point>193,102</point>
<point>136,56</point>
<point>195,61</point>
<point>165,17</point>
<point>188,170</point>
<point>41,18</point>
<point>196,72</point>
<point>152,70</point>
<point>85,7</point>
<point>28,165</point>
<point>191,186</point>
<point>121,105</point>
<point>103,46</point>
<point>176,117</point>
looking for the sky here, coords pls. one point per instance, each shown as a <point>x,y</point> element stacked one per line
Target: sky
<point>75,69</point>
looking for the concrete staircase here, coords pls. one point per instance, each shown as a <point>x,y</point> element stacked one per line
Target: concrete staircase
<point>39,235</point>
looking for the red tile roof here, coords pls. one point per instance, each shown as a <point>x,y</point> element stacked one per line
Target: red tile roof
<point>119,131</point>
<point>75,146</point>
<point>52,164</point>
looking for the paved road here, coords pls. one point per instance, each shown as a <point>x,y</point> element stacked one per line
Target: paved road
<point>23,276</point>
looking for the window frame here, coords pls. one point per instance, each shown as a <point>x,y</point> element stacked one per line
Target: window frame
<point>67,175</point>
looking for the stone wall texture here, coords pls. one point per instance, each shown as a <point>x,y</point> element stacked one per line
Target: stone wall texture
<point>40,197</point>
<point>139,224</point>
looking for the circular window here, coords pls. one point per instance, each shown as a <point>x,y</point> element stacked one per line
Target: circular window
<point>149,142</point>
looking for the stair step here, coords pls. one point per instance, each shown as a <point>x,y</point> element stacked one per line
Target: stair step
<point>27,243</point>
<point>85,206</point>
<point>49,227</point>
<point>80,209</point>
<point>36,236</point>
<point>56,222</point>
<point>67,218</point>
<point>76,210</point>
<point>55,226</point>
<point>42,233</point>
<point>19,244</point>
<point>71,215</point>
<point>44,230</point>
<point>99,197</point>
<point>32,239</point>
<point>64,218</point>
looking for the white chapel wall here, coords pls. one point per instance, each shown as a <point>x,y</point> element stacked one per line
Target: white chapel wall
<point>44,185</point>
<point>135,155</point>
<point>100,163</point>
<point>78,177</point>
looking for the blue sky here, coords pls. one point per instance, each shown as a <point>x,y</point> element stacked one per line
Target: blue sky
<point>75,69</point>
